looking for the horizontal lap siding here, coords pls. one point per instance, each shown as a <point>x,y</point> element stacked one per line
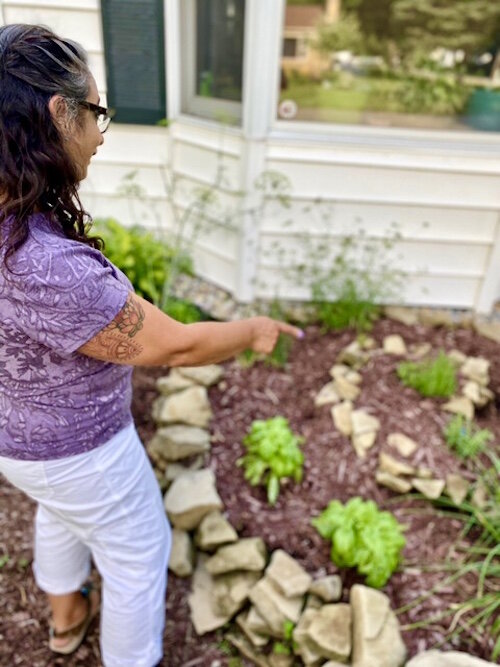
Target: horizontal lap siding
<point>446,210</point>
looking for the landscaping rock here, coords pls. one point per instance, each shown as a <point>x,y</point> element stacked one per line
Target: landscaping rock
<point>288,576</point>
<point>341,415</point>
<point>346,390</point>
<point>255,638</point>
<point>303,645</point>
<point>327,394</point>
<point>460,405</point>
<point>256,622</point>
<point>175,470</point>
<point>274,607</point>
<point>190,497</point>
<point>247,554</point>
<point>281,660</point>
<point>189,406</point>
<point>435,317</point>
<point>343,371</point>
<point>247,650</point>
<point>477,369</point>
<point>205,375</point>
<point>313,602</point>
<point>230,591</point>
<point>214,531</point>
<point>395,345</point>
<point>419,351</point>
<point>457,488</point>
<point>329,631</point>
<point>430,488</point>
<point>489,330</point>
<point>353,355</point>
<point>182,555</point>
<point>457,356</point>
<point>363,442</point>
<point>172,383</point>
<point>174,443</point>
<point>405,445</point>
<point>393,466</point>
<point>480,496</point>
<point>478,394</point>
<point>364,431</point>
<point>362,422</point>
<point>447,659</point>
<point>376,635</point>
<point>392,482</point>
<point>328,588</point>
<point>203,616</point>
<point>408,316</point>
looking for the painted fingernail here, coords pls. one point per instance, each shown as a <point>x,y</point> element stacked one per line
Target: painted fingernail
<point>301,334</point>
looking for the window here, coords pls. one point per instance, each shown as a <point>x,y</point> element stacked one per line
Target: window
<point>289,47</point>
<point>135,59</point>
<point>213,32</point>
<point>431,64</point>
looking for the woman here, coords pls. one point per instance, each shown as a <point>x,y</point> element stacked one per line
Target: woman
<point>70,332</point>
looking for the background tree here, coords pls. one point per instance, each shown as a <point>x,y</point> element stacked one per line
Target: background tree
<point>420,26</point>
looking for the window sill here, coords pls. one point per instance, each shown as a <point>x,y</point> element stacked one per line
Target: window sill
<point>474,143</point>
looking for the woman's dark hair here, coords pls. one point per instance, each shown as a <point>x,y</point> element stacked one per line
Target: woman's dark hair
<point>37,174</point>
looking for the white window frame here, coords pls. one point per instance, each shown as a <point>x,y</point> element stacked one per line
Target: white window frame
<point>193,104</point>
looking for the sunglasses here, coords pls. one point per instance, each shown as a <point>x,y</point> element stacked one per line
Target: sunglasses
<point>102,115</point>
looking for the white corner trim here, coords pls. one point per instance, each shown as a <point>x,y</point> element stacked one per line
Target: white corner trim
<point>173,57</point>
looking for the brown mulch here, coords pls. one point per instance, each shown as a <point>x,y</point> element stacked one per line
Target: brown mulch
<point>331,470</point>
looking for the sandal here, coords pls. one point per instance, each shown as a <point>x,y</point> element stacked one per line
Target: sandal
<point>76,633</point>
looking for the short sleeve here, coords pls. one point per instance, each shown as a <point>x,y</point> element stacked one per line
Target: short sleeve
<point>64,294</point>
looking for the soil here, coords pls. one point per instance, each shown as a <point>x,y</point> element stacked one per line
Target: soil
<point>331,470</point>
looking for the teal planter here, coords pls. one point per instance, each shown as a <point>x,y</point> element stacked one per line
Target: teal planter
<point>483,110</point>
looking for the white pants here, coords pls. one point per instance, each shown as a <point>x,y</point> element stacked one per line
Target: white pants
<point>106,504</point>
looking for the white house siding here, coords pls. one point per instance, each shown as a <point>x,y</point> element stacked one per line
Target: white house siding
<point>446,205</point>
<point>441,190</point>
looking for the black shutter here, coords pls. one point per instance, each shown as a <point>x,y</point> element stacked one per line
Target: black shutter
<point>135,59</point>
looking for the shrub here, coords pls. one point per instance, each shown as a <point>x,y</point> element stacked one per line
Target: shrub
<point>362,536</point>
<point>273,454</point>
<point>147,263</point>
<point>465,437</point>
<point>430,378</point>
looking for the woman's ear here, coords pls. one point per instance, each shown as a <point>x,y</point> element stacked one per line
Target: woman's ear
<point>59,111</point>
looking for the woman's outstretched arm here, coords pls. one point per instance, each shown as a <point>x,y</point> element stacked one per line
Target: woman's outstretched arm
<point>142,335</point>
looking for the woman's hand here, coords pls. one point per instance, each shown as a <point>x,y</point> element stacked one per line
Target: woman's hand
<point>266,331</point>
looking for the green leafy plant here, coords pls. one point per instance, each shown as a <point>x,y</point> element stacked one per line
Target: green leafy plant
<point>436,377</point>
<point>362,536</point>
<point>465,437</point>
<point>147,262</point>
<point>273,454</point>
<point>137,252</point>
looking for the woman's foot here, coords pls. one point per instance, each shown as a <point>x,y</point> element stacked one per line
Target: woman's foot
<point>68,638</point>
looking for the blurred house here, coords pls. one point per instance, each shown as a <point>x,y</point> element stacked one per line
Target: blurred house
<point>195,85</point>
<point>301,24</point>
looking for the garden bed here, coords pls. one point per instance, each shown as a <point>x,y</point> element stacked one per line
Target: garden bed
<point>331,470</point>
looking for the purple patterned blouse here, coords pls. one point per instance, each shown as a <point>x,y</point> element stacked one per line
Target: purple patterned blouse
<point>55,402</point>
